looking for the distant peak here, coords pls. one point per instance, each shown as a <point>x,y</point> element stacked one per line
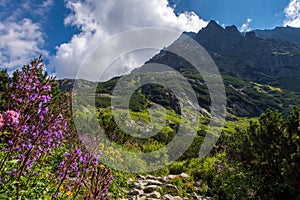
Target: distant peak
<point>213,23</point>
<point>231,28</point>
<point>190,34</point>
<point>251,34</point>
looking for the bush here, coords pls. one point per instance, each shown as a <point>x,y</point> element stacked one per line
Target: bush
<point>270,149</point>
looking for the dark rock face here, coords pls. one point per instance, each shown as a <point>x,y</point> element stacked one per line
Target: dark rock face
<point>289,34</point>
<point>243,58</point>
<point>216,38</point>
<point>246,56</point>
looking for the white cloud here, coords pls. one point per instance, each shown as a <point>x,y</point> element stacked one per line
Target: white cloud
<point>20,42</point>
<point>33,9</point>
<point>100,19</point>
<point>292,14</point>
<point>246,26</point>
<point>21,38</point>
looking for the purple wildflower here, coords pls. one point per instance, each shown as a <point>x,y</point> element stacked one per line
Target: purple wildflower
<point>66,154</point>
<point>46,87</point>
<point>14,172</point>
<point>28,87</point>
<point>25,128</point>
<point>78,151</point>
<point>45,110</point>
<point>33,97</point>
<point>45,98</point>
<point>55,195</point>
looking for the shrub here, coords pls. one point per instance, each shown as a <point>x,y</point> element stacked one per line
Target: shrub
<point>270,149</point>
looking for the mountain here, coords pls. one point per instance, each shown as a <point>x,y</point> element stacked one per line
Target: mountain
<point>68,84</point>
<point>216,38</point>
<point>289,34</point>
<point>258,73</point>
<point>252,58</point>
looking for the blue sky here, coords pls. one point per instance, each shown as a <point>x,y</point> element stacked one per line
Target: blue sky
<point>264,13</point>
<point>64,31</point>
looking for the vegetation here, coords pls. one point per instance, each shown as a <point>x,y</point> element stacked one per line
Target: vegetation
<point>255,158</point>
<point>269,150</point>
<point>42,157</point>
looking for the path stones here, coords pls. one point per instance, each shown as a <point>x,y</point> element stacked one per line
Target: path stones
<point>170,197</point>
<point>140,184</point>
<point>167,197</point>
<point>150,177</point>
<point>153,182</point>
<point>135,191</point>
<point>171,177</point>
<point>154,194</point>
<point>184,175</point>
<point>151,188</point>
<point>142,177</point>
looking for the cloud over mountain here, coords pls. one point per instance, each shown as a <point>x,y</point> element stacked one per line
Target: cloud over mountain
<point>292,14</point>
<point>98,20</point>
<point>246,26</point>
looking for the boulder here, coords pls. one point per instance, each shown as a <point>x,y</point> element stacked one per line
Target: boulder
<point>184,175</point>
<point>167,197</point>
<point>151,188</point>
<point>151,177</point>
<point>153,182</point>
<point>154,194</point>
<point>135,191</point>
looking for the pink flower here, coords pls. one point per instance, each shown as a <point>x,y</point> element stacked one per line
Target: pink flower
<point>1,121</point>
<point>11,117</point>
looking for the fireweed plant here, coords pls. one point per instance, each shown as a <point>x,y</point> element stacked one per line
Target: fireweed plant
<point>39,156</point>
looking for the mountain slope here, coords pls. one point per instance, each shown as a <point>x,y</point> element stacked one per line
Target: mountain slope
<point>252,58</point>
<point>258,73</point>
<point>281,33</point>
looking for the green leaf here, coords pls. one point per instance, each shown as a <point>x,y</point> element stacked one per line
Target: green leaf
<point>4,133</point>
<point>13,161</point>
<point>3,196</point>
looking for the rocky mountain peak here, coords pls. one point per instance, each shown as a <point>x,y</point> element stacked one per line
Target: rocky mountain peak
<point>215,37</point>
<point>232,29</point>
<point>251,35</point>
<point>213,26</point>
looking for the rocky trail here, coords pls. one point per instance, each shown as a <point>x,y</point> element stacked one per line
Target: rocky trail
<point>155,188</point>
